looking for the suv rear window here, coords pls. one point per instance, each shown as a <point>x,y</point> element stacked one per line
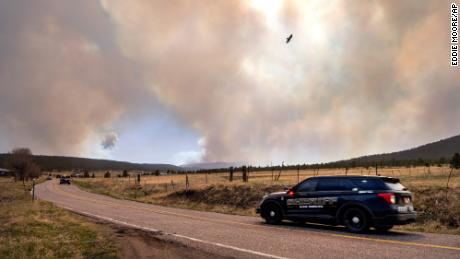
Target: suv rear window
<point>369,184</point>
<point>379,184</point>
<point>394,184</point>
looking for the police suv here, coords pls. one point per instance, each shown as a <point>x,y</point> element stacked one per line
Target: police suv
<point>357,202</point>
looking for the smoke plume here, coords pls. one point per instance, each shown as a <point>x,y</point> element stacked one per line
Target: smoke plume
<point>357,78</point>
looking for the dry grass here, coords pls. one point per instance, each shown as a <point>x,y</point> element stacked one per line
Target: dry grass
<point>423,176</point>
<point>40,230</point>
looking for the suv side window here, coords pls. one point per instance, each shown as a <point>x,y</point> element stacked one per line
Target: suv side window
<point>369,184</point>
<point>347,185</point>
<point>335,185</point>
<point>307,186</point>
<point>329,185</point>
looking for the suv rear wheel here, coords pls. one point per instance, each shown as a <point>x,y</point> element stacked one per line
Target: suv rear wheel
<point>272,214</point>
<point>355,220</point>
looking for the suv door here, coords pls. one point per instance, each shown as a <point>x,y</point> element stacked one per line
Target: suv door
<point>304,200</point>
<point>331,192</point>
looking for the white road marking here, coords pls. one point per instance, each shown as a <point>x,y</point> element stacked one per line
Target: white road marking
<point>177,235</point>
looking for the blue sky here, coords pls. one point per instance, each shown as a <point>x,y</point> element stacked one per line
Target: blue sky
<point>157,140</point>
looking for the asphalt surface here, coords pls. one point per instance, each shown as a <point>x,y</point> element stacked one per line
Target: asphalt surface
<point>249,237</point>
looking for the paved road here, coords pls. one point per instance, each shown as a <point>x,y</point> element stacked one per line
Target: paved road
<point>248,237</point>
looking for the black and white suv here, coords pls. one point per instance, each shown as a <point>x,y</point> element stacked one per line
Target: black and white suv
<point>357,202</point>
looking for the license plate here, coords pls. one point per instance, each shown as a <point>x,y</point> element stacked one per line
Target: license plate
<point>405,209</point>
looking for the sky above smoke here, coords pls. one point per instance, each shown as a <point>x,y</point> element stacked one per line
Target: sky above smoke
<point>188,81</point>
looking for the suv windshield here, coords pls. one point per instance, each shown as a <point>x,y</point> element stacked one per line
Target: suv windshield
<point>307,186</point>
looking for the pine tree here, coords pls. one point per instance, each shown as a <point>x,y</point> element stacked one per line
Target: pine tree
<point>455,161</point>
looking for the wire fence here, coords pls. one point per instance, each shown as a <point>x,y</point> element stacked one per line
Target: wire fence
<point>436,176</point>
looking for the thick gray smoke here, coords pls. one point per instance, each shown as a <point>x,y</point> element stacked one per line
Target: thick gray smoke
<point>357,78</point>
<point>62,79</point>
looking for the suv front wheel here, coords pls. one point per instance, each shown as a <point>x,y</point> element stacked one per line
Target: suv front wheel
<point>355,220</point>
<point>272,213</point>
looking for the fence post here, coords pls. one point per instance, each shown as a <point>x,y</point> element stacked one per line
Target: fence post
<point>298,173</point>
<point>448,180</point>
<point>187,184</point>
<point>273,171</point>
<point>206,177</point>
<point>33,189</point>
<point>281,170</point>
<point>230,178</point>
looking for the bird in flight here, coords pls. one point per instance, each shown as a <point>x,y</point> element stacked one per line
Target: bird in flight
<point>288,39</point>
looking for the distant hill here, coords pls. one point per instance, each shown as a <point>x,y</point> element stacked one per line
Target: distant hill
<point>62,163</point>
<point>435,152</point>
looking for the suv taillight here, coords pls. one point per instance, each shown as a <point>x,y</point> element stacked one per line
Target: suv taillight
<point>388,197</point>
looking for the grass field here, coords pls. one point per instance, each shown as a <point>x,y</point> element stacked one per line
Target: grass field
<point>38,229</point>
<point>415,176</point>
<point>214,192</point>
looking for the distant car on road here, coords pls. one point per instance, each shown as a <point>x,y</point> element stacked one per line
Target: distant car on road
<point>64,180</point>
<point>357,202</point>
<point>49,177</point>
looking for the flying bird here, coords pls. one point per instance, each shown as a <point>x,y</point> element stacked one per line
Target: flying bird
<point>288,39</point>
